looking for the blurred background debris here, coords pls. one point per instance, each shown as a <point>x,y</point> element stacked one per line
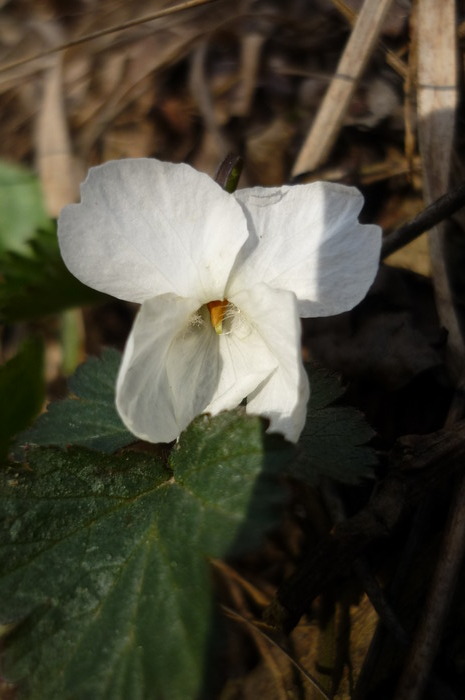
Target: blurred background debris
<point>362,92</point>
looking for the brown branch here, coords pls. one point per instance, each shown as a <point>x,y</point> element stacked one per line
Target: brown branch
<point>432,215</point>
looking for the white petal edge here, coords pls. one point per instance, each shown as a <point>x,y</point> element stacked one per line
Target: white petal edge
<point>169,370</point>
<point>307,239</point>
<point>145,227</point>
<point>283,396</point>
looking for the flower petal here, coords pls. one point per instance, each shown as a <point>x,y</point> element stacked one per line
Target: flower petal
<point>246,361</point>
<point>145,228</point>
<point>169,371</point>
<point>283,396</point>
<point>307,239</point>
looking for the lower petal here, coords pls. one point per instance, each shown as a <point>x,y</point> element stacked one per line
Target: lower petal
<point>245,362</point>
<point>286,416</point>
<point>283,396</point>
<point>169,370</point>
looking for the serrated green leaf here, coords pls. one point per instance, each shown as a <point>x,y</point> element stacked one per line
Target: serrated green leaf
<point>104,560</point>
<point>325,388</point>
<point>22,211</point>
<point>90,419</point>
<point>333,442</point>
<point>37,283</point>
<point>22,388</point>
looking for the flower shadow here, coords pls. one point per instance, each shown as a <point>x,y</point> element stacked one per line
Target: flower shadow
<point>264,510</point>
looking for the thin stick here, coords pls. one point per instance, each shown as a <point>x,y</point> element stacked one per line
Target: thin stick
<point>104,32</point>
<point>436,212</point>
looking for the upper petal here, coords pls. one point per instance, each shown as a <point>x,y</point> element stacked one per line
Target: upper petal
<point>307,239</point>
<point>145,227</point>
<point>169,370</point>
<point>282,396</point>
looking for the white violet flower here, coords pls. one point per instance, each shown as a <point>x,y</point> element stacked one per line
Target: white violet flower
<point>222,279</point>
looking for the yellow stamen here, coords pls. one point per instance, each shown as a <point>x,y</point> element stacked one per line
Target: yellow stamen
<point>217,310</point>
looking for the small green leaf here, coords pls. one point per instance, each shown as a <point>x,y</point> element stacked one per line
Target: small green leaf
<point>36,282</point>
<point>333,442</point>
<point>22,388</point>
<point>90,419</point>
<point>104,560</point>
<point>22,211</point>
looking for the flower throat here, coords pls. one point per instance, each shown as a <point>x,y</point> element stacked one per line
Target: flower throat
<point>217,311</point>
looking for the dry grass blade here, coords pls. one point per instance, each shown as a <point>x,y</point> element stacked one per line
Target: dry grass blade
<point>392,59</point>
<point>261,630</point>
<point>228,573</point>
<point>202,95</point>
<point>108,30</point>
<point>237,589</point>
<point>251,50</point>
<point>150,55</point>
<point>437,103</point>
<point>54,158</point>
<point>328,121</point>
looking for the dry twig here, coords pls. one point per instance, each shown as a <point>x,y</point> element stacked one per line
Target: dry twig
<point>436,212</point>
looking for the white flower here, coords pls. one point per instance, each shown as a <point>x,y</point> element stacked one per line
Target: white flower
<point>222,280</point>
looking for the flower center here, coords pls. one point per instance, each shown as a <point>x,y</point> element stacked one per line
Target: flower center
<point>217,310</point>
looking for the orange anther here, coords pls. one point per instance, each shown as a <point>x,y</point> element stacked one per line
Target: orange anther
<point>217,310</point>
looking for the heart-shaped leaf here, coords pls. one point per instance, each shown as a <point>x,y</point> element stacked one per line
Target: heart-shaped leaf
<point>104,573</point>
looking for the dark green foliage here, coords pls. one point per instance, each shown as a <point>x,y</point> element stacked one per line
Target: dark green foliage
<point>22,391</point>
<point>333,443</point>
<point>37,283</point>
<point>104,559</point>
<point>90,418</point>
<point>34,279</point>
